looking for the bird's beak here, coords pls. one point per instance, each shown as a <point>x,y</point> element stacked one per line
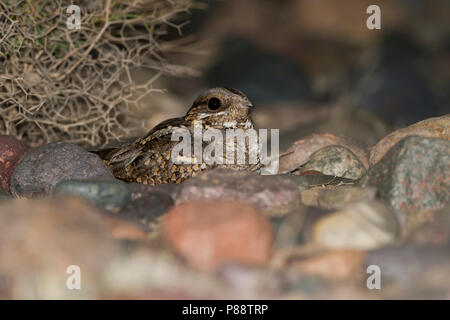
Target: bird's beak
<point>250,106</point>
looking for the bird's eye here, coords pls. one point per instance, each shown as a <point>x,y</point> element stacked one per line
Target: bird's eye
<point>214,104</point>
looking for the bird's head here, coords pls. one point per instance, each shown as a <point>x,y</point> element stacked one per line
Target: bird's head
<point>221,107</point>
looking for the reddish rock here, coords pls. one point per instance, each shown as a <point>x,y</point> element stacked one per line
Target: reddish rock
<point>11,151</point>
<point>211,234</point>
<point>438,127</point>
<point>274,195</point>
<point>299,153</point>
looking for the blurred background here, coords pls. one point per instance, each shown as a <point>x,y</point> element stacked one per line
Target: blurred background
<point>313,65</point>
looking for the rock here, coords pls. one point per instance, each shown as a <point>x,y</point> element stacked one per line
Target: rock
<point>275,195</point>
<point>335,161</point>
<point>438,127</point>
<point>434,232</point>
<point>11,151</point>
<point>413,272</point>
<point>251,282</point>
<point>40,239</point>
<point>338,197</point>
<point>43,167</point>
<point>333,265</point>
<point>414,175</point>
<point>295,229</point>
<point>362,226</point>
<point>211,234</point>
<point>38,243</point>
<point>105,193</point>
<point>299,153</point>
<point>147,210</point>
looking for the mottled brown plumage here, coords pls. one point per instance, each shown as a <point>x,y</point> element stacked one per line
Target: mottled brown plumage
<point>148,159</point>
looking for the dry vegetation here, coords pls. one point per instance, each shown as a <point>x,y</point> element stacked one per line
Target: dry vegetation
<point>76,85</point>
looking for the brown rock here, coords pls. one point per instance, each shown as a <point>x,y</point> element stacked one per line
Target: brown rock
<point>336,197</point>
<point>275,195</point>
<point>336,265</point>
<point>299,153</point>
<point>11,151</point>
<point>362,226</point>
<point>438,127</point>
<point>209,235</point>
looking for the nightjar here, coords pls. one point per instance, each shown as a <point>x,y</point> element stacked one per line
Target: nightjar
<point>149,160</point>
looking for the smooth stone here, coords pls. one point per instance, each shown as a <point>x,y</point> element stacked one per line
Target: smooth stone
<point>105,193</point>
<point>335,161</point>
<point>43,167</point>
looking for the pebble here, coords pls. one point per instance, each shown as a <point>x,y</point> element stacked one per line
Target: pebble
<point>300,152</point>
<point>361,226</point>
<point>209,235</point>
<point>43,167</point>
<point>333,265</point>
<point>105,193</point>
<point>338,197</point>
<point>146,211</point>
<point>11,151</point>
<point>275,195</point>
<point>335,161</point>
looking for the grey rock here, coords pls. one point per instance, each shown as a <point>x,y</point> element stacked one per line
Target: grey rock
<point>335,161</point>
<point>105,193</point>
<point>146,211</point>
<point>414,175</point>
<point>337,197</point>
<point>43,167</point>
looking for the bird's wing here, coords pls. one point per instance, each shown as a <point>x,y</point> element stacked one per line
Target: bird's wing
<point>136,153</point>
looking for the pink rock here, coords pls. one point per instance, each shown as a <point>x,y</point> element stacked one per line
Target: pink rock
<point>211,234</point>
<point>11,151</point>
